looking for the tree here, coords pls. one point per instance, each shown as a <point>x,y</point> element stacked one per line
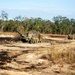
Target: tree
<point>4,18</point>
<point>63,25</point>
<point>4,15</point>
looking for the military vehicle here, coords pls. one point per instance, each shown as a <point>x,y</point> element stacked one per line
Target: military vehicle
<point>30,37</point>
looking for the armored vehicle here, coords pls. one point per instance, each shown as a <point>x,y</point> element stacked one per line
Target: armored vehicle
<point>30,37</point>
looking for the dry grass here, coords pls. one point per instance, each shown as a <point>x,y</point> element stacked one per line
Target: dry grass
<point>58,55</point>
<point>9,34</point>
<point>41,58</point>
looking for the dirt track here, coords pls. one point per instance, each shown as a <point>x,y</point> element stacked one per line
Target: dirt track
<point>37,59</point>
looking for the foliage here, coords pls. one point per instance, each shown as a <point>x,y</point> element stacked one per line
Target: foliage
<point>60,25</point>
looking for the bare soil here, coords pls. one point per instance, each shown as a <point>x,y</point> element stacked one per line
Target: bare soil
<point>37,59</point>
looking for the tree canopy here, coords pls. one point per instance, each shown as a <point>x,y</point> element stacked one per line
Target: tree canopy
<point>59,25</point>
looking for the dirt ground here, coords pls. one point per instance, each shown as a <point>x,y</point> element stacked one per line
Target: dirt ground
<point>37,59</point>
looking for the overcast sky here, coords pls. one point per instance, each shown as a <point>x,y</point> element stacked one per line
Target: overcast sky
<point>46,9</point>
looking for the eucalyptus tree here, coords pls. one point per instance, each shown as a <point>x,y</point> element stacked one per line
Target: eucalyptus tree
<point>4,18</point>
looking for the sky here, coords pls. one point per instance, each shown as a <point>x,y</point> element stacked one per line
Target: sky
<point>45,9</point>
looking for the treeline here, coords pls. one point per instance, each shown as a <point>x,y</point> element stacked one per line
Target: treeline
<point>59,25</point>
